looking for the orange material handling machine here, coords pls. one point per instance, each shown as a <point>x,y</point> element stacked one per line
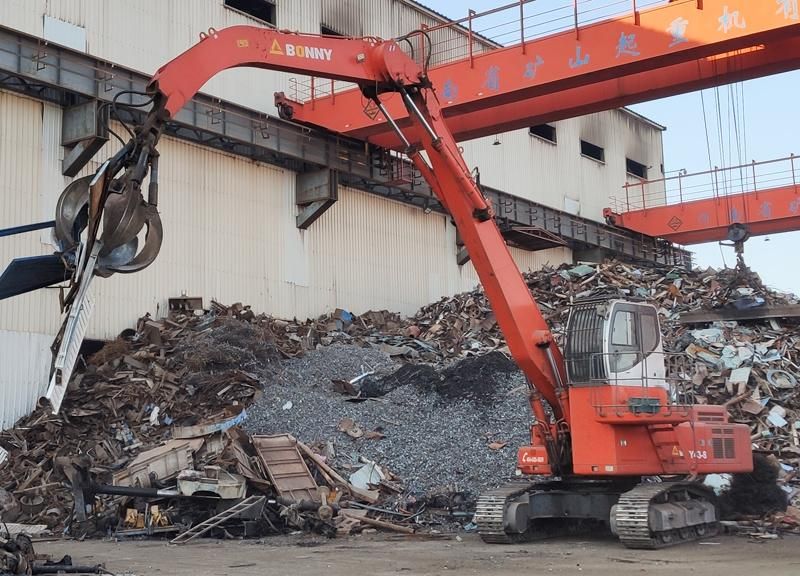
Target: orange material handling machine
<point>608,412</point>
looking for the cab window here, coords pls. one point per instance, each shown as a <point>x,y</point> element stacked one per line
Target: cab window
<point>624,329</point>
<point>625,352</point>
<point>650,335</point>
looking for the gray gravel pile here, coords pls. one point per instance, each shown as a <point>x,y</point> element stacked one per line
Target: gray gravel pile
<point>437,426</point>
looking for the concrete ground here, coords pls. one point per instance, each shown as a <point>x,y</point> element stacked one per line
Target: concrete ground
<point>380,555</point>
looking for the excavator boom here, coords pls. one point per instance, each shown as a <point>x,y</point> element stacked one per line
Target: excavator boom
<point>378,67</point>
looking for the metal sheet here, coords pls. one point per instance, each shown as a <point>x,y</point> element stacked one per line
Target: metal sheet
<point>24,365</point>
<point>286,468</point>
<point>275,146</point>
<point>25,149</point>
<point>75,330</point>
<point>64,33</point>
<point>24,15</point>
<point>230,234</point>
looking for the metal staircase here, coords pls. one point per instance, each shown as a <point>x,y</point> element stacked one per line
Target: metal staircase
<point>214,521</point>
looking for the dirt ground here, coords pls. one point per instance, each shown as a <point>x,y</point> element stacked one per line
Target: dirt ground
<point>380,555</point>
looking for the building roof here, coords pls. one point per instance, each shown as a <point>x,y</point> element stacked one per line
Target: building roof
<point>643,118</point>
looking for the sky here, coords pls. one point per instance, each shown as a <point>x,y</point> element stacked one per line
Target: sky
<point>766,121</point>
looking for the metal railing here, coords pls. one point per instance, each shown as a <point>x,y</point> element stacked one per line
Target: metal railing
<point>719,183</point>
<point>511,24</point>
<point>519,22</point>
<point>676,379</point>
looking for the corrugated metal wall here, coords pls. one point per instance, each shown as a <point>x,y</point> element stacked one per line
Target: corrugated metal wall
<point>393,18</point>
<point>155,31</point>
<point>556,174</point>
<point>230,234</point>
<point>25,330</point>
<point>146,33</point>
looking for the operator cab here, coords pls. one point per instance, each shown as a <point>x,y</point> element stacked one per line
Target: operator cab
<point>615,342</point>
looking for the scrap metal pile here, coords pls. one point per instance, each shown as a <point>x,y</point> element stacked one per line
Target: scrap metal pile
<point>355,422</point>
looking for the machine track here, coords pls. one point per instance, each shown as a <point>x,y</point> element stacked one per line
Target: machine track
<point>490,513</point>
<point>632,515</point>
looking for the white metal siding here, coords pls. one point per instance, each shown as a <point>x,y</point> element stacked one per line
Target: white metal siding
<point>21,185</point>
<point>390,19</point>
<point>23,15</point>
<point>532,168</point>
<point>24,367</point>
<point>145,34</point>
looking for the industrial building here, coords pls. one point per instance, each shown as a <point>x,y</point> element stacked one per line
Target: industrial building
<point>230,204</point>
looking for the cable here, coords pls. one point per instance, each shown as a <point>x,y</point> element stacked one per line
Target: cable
<point>107,127</point>
<point>149,97</point>
<point>734,97</point>
<point>744,124</point>
<point>720,137</point>
<point>411,46</point>
<point>430,46</point>
<point>708,139</point>
<point>116,97</point>
<point>115,112</point>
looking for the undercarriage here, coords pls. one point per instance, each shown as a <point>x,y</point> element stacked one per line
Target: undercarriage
<point>642,515</point>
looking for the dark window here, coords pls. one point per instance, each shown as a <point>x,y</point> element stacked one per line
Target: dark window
<point>624,341</point>
<point>260,9</point>
<point>635,169</point>
<point>327,31</point>
<point>592,151</point>
<point>650,333</point>
<point>544,131</point>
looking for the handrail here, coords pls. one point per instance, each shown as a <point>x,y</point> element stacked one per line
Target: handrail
<point>718,183</point>
<point>519,28</point>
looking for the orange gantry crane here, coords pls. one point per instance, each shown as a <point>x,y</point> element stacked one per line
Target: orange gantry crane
<point>667,49</point>
<point>610,409</point>
<point>672,48</point>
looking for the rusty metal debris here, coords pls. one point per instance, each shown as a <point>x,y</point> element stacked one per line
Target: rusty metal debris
<point>17,556</point>
<point>286,468</point>
<point>233,512</point>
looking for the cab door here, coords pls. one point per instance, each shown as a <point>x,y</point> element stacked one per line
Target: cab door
<point>632,346</point>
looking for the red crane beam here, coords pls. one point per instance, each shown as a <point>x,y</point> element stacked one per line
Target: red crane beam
<point>672,49</point>
<point>770,208</point>
<point>705,73</point>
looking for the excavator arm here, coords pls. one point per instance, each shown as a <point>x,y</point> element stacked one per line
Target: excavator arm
<point>378,67</point>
